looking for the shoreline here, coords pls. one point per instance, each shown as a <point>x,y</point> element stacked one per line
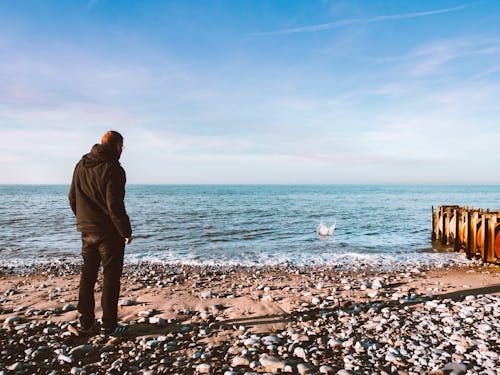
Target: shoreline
<point>344,261</point>
<point>237,320</point>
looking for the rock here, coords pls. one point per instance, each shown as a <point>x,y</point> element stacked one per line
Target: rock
<point>68,307</point>
<point>251,342</point>
<point>271,363</point>
<point>17,366</point>
<point>269,340</point>
<point>146,313</point>
<point>334,343</point>
<point>299,352</point>
<point>326,369</point>
<point>240,361</point>
<point>305,368</point>
<point>152,344</point>
<point>81,350</point>
<point>206,295</point>
<point>11,320</point>
<point>126,302</point>
<point>65,358</point>
<point>455,368</point>
<point>267,298</point>
<point>204,368</point>
<point>316,301</point>
<point>377,283</point>
<point>157,320</point>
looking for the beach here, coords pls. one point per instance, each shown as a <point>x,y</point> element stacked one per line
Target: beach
<point>244,320</point>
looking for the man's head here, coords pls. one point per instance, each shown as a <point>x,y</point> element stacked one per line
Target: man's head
<point>114,141</point>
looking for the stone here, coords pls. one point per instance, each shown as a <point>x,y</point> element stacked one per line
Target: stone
<point>69,307</point>
<point>206,295</point>
<point>454,368</point>
<point>326,369</point>
<point>11,320</point>
<point>271,363</point>
<point>81,350</point>
<point>17,366</point>
<point>204,368</point>
<point>305,368</point>
<point>300,352</point>
<point>377,283</point>
<point>240,361</point>
<point>146,313</point>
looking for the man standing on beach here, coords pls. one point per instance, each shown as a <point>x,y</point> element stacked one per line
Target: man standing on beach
<point>97,197</point>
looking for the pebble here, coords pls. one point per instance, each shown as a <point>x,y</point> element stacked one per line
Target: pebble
<point>81,350</point>
<point>240,361</point>
<point>68,307</point>
<point>326,369</point>
<point>204,368</point>
<point>305,368</point>
<point>206,295</point>
<point>145,313</point>
<point>271,363</point>
<point>11,320</point>
<point>455,368</point>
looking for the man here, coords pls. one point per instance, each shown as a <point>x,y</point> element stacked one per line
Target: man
<point>97,197</point>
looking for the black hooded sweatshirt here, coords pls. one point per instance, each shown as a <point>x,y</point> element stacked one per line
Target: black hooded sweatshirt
<point>97,194</point>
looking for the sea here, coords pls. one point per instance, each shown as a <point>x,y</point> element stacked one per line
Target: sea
<point>248,225</point>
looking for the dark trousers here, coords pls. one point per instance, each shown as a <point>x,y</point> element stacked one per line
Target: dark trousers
<point>108,250</point>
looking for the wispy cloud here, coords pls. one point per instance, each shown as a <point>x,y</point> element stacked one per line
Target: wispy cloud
<point>488,72</point>
<point>359,21</point>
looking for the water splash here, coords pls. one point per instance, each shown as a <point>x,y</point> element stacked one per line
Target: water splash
<point>325,230</point>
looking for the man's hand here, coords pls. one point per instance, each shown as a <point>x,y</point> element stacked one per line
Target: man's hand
<point>128,240</point>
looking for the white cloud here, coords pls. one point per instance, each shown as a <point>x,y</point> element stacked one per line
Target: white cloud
<point>359,21</point>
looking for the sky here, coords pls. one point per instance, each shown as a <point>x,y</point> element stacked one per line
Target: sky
<point>253,92</point>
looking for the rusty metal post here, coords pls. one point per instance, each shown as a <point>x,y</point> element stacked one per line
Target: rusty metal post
<point>447,226</point>
<point>434,224</point>
<point>490,242</point>
<point>472,245</point>
<point>482,236</point>
<point>454,226</point>
<point>459,238</point>
<point>466,228</point>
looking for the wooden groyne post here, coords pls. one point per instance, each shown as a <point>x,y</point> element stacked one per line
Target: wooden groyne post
<point>474,231</point>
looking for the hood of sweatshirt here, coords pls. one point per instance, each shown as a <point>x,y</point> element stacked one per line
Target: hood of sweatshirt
<point>99,154</point>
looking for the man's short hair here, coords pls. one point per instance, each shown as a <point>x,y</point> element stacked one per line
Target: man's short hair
<point>112,138</point>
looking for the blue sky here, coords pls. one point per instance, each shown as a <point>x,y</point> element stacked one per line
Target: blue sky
<point>253,91</point>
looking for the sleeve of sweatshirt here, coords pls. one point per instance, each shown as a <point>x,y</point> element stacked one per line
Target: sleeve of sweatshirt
<point>115,200</point>
<point>72,194</point>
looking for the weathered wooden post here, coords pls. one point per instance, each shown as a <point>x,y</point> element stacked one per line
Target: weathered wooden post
<point>465,227</point>
<point>435,220</point>
<point>472,243</point>
<point>461,229</point>
<point>490,239</point>
<point>440,223</point>
<point>453,226</point>
<point>446,237</point>
<point>481,236</point>
<point>497,240</point>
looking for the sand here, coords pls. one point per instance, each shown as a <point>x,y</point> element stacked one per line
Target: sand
<point>237,320</point>
<point>253,297</point>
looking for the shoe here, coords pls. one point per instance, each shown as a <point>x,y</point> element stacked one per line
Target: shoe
<point>82,330</point>
<point>116,331</point>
